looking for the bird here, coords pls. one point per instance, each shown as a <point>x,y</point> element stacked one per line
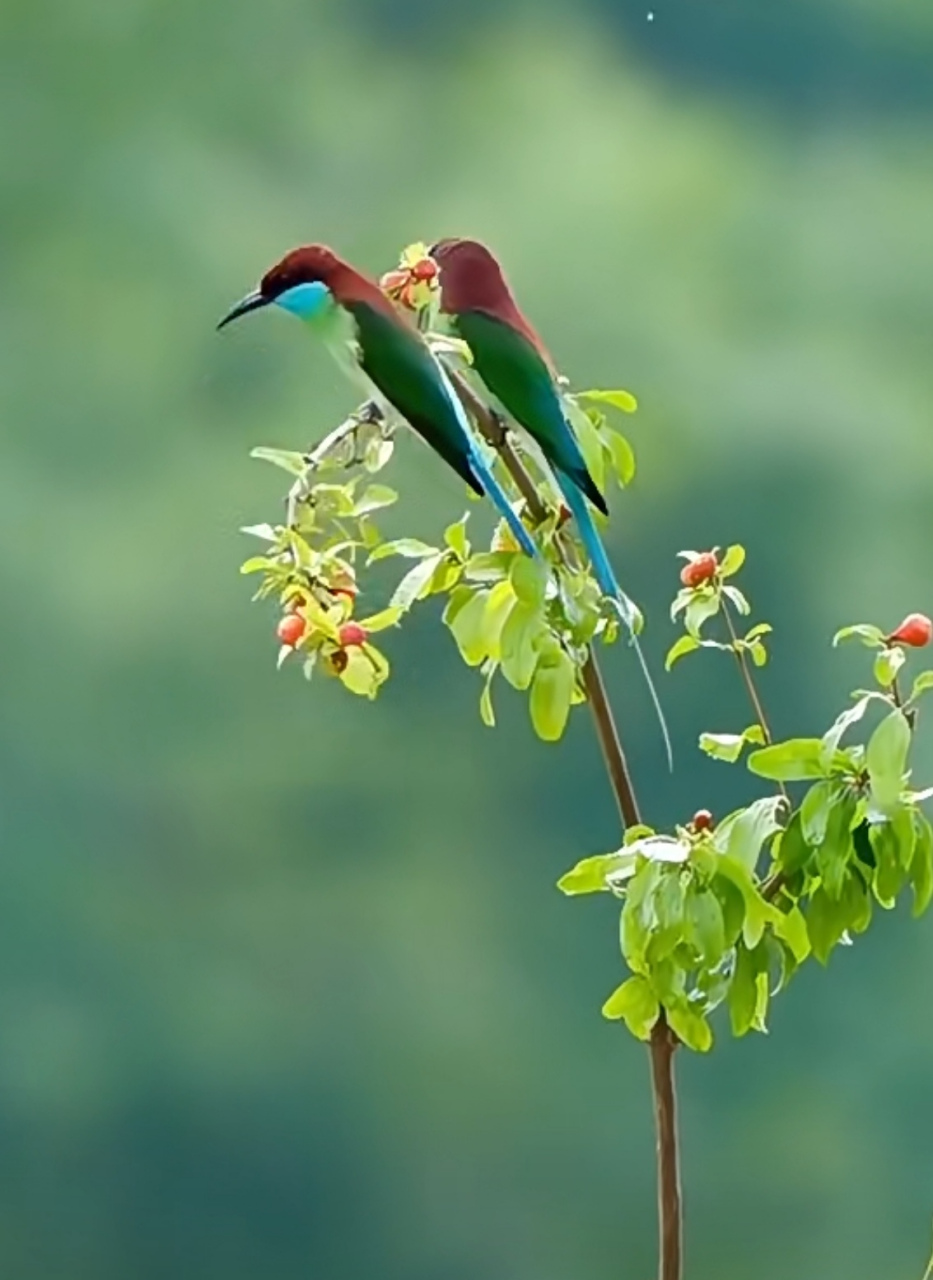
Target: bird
<point>516,367</point>
<point>316,285</point>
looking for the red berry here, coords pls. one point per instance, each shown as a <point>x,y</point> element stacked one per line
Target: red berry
<point>352,633</point>
<point>916,630</point>
<point>702,820</point>
<point>426,269</point>
<point>700,570</point>
<point>291,629</point>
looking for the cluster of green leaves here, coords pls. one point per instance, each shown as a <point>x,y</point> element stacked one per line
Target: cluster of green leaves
<point>529,622</point>
<point>727,913</point>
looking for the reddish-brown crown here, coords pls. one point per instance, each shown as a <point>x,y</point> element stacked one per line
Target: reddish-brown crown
<point>316,262</point>
<point>472,280</point>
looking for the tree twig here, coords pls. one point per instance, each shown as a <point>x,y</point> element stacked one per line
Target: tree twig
<point>663,1043</point>
<point>748,679</point>
<point>670,1212</point>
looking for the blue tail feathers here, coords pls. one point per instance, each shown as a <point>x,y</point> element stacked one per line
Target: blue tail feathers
<point>498,496</point>
<point>609,586</point>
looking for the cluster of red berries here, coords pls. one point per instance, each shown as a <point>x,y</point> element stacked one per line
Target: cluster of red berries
<point>293,627</point>
<point>402,285</point>
<point>703,568</point>
<point>916,631</point>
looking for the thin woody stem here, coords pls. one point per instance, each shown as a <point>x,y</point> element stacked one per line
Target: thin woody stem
<point>663,1043</point>
<point>741,657</point>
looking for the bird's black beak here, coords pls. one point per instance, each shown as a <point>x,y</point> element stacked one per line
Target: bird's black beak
<point>252,302</point>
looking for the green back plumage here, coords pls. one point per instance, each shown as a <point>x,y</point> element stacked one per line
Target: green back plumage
<point>518,377</point>
<point>396,359</point>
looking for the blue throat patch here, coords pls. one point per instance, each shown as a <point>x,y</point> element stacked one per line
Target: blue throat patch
<point>306,301</point>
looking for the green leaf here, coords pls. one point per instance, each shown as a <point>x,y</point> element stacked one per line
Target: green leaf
<point>415,583</point>
<point>268,534</point>
<point>923,682</point>
<point>499,604</point>
<point>622,400</point>
<point>287,459</point>
<point>457,600</point>
<point>921,867</point>
<point>660,848</point>
<point>468,629</point>
<point>489,566</point>
<point>690,1026</point>
<point>796,760</point>
<point>732,902</point>
<point>792,928</point>
<point>636,1002</point>
<point>487,714</point>
<point>591,875</point>
<point>456,539</point>
<point>728,746</point>
<point>732,562</point>
<point>832,738</point>
<point>410,548</point>
<point>588,438</point>
<point>529,581</point>
<point>258,564</point>
<point>814,811</point>
<point>826,923</point>
<point>743,991</point>
<point>873,637</point>
<point>741,835</point>
<point>759,653</point>
<point>518,645</point>
<point>382,620</point>
<point>887,665</point>
<point>623,458</point>
<point>699,611</point>
<point>738,599</point>
<point>668,902</point>
<point>890,875</point>
<point>551,691</point>
<point>685,645</point>
<point>791,850</point>
<point>835,850</point>
<point>374,498</point>
<point>705,926</point>
<point>886,760</point>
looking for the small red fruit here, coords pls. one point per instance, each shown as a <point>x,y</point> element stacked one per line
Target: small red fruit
<point>352,633</point>
<point>291,629</point>
<point>700,570</point>
<point>916,630</point>
<point>702,820</point>
<point>426,269</point>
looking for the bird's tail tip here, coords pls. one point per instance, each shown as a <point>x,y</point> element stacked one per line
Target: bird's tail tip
<point>631,618</point>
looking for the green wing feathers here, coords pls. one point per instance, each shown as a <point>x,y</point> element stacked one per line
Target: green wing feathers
<point>396,360</point>
<point>518,377</point>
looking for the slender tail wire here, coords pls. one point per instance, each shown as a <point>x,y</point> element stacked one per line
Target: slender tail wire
<point>609,585</point>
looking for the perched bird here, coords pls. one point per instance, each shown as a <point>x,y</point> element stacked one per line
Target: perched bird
<point>513,362</point>
<point>317,286</point>
<point>516,367</point>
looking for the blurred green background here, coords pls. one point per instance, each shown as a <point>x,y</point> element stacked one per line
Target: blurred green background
<point>286,988</point>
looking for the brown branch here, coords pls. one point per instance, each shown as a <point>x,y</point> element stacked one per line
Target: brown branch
<point>609,742</point>
<point>741,657</point>
<point>670,1210</point>
<point>663,1042</point>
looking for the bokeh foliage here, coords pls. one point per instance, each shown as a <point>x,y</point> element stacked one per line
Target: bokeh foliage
<point>255,972</point>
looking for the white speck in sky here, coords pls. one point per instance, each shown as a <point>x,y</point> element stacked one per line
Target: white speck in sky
<point>651,16</point>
